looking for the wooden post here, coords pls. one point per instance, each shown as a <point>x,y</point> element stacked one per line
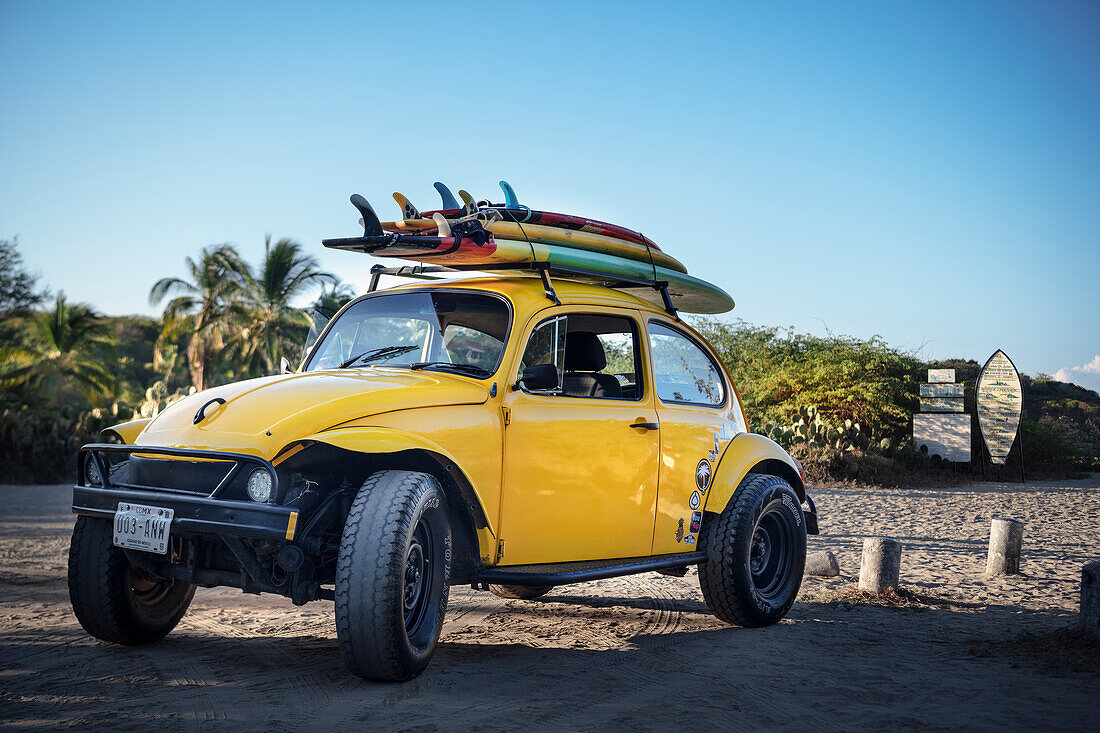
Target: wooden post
<point>823,564</point>
<point>1006,537</point>
<point>880,567</point>
<point>1090,598</point>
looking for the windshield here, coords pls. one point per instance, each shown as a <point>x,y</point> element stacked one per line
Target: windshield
<point>447,330</point>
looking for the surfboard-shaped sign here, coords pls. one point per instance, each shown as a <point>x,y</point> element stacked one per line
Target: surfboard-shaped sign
<point>1000,400</point>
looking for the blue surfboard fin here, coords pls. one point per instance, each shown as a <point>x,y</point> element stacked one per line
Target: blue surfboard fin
<point>510,200</point>
<point>449,201</point>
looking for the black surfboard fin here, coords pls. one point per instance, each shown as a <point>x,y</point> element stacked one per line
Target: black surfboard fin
<point>372,227</point>
<point>448,197</point>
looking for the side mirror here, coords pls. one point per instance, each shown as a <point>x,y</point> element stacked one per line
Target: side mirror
<point>540,377</point>
<point>284,366</point>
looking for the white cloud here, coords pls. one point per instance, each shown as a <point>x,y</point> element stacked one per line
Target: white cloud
<point>1086,375</point>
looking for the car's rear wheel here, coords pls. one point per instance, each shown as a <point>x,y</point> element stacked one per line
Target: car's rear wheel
<point>756,552</point>
<point>393,575</point>
<point>113,599</point>
<point>522,592</point>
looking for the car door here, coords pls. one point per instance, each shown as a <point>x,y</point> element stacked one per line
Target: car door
<point>580,469</point>
<point>698,416</point>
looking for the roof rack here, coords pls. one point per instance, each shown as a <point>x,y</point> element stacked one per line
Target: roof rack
<point>544,269</point>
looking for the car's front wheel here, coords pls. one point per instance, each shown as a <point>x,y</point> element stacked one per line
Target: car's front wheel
<point>756,552</point>
<point>114,600</point>
<point>393,575</point>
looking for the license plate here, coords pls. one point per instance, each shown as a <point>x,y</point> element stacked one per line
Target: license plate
<point>140,527</point>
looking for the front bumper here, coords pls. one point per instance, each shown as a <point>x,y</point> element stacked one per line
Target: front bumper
<point>194,514</point>
<point>198,511</point>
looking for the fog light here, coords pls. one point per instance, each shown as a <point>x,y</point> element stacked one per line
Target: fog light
<point>259,486</point>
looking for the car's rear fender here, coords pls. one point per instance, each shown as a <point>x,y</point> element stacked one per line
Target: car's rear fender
<point>749,452</point>
<point>413,451</point>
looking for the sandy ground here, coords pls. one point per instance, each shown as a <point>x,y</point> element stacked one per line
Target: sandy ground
<point>641,652</point>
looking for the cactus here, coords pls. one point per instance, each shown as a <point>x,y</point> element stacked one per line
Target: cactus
<point>157,398</point>
<point>810,428</point>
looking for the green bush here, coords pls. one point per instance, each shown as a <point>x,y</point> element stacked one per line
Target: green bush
<point>779,372</point>
<point>844,406</point>
<point>39,445</point>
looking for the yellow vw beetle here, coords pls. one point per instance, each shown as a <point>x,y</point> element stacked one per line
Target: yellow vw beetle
<point>466,431</point>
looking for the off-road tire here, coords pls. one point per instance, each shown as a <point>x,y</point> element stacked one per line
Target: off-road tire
<point>765,511</point>
<point>522,592</point>
<point>395,516</point>
<point>114,600</point>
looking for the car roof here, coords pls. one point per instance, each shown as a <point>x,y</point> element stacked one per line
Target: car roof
<point>526,292</point>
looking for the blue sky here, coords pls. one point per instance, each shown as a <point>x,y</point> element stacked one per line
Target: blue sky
<point>929,172</point>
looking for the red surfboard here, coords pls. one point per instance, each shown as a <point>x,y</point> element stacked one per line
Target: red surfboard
<point>551,219</point>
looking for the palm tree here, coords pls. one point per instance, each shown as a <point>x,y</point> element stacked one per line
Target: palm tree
<point>274,327</point>
<point>204,309</point>
<point>333,298</point>
<point>66,345</point>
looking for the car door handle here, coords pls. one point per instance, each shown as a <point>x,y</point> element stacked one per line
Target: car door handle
<point>646,425</point>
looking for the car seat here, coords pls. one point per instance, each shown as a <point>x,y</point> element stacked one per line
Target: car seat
<point>584,358</point>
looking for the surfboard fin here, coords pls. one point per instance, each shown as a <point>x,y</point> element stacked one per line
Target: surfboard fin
<point>471,205</point>
<point>448,198</point>
<point>510,200</point>
<point>372,227</point>
<point>408,211</point>
<point>441,222</point>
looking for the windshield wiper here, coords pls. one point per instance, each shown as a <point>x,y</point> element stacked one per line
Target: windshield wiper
<point>373,354</point>
<point>470,369</point>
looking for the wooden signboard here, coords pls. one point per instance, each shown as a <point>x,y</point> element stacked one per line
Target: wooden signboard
<point>941,375</point>
<point>941,404</point>
<point>1000,400</point>
<point>941,390</point>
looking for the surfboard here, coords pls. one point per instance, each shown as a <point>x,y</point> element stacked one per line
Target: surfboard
<point>1000,402</point>
<point>553,235</point>
<point>687,293</point>
<point>526,216</point>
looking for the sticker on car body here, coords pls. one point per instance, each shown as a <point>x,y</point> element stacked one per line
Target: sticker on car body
<point>702,475</point>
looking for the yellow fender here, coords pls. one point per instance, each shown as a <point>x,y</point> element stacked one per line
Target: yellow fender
<point>750,452</point>
<point>127,432</point>
<point>388,440</point>
<point>375,440</point>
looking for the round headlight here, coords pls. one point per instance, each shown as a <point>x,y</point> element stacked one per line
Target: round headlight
<point>91,470</point>
<point>259,486</point>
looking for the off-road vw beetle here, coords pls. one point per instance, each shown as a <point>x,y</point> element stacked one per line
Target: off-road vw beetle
<point>505,432</point>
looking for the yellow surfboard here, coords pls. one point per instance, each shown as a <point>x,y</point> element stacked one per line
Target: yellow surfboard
<point>557,235</point>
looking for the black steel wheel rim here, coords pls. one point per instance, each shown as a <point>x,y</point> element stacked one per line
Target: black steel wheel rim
<point>418,586</point>
<point>147,593</point>
<point>772,551</point>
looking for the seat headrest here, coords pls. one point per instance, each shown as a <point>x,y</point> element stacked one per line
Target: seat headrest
<point>584,352</point>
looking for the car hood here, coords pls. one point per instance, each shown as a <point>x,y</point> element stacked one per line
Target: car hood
<point>260,416</point>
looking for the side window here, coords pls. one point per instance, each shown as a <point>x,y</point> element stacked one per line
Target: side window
<point>469,346</point>
<point>597,356</point>
<point>682,371</point>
